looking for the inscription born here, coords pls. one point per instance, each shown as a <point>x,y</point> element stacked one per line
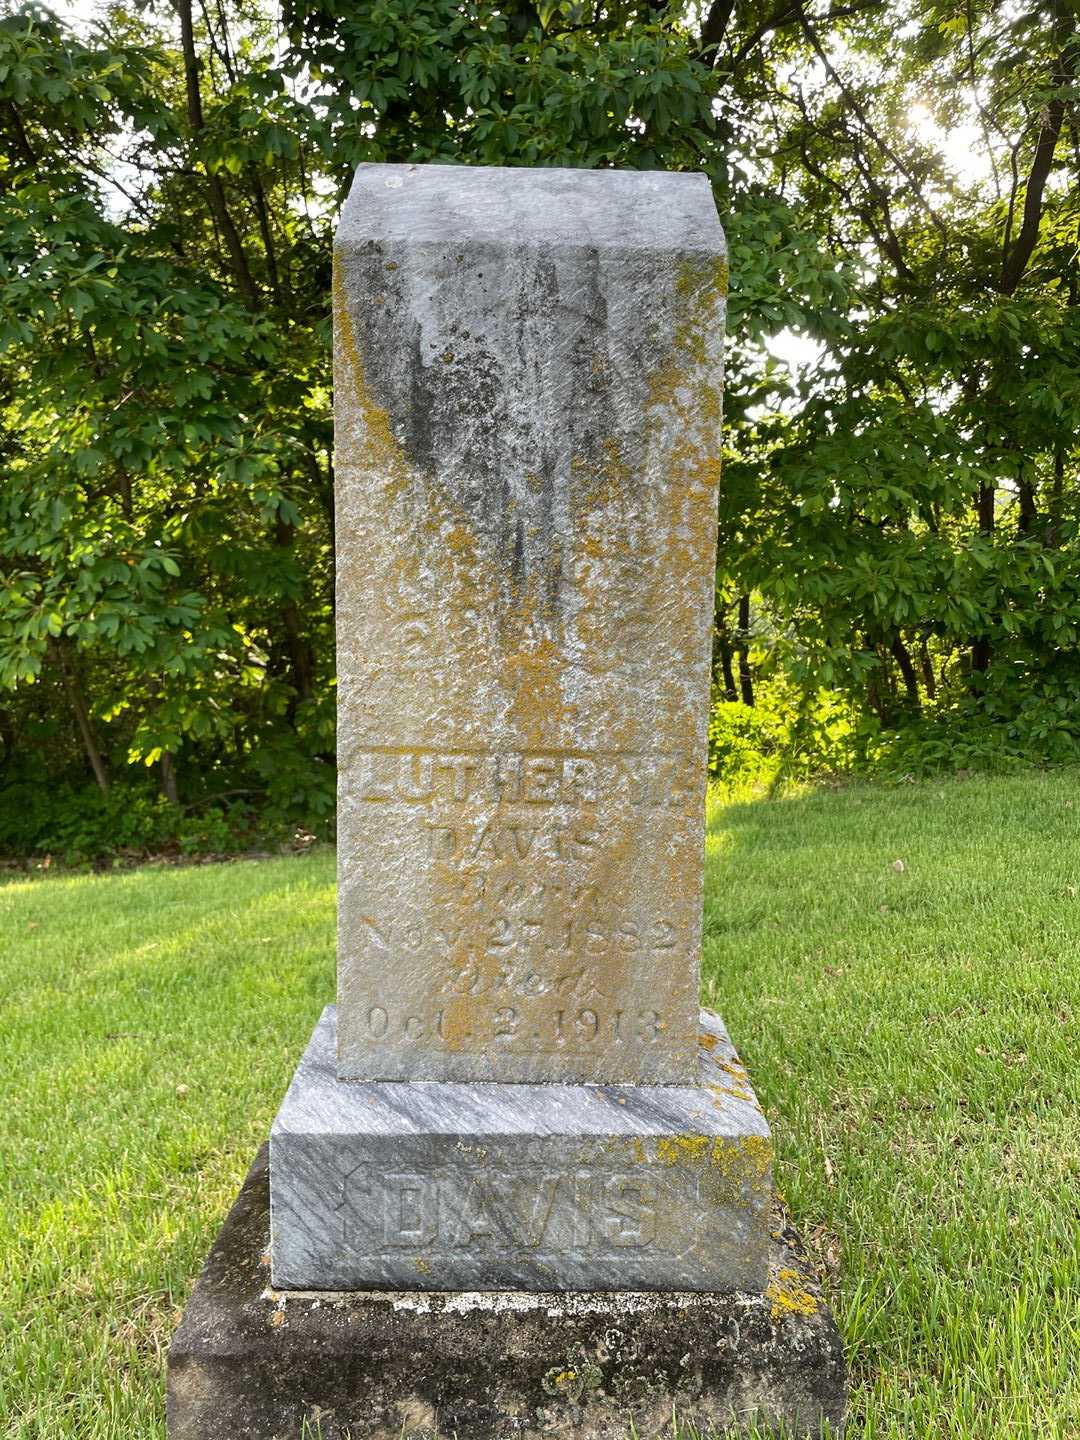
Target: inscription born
<point>508,934</point>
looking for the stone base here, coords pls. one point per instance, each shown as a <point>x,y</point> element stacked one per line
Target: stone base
<point>451,1186</point>
<point>252,1363</point>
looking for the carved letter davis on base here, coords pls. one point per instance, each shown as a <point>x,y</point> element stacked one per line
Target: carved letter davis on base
<point>447,1185</point>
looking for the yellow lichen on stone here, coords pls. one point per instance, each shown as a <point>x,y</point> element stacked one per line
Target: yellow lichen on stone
<point>534,672</point>
<point>384,451</point>
<point>732,1068</point>
<point>708,274</point>
<point>788,1295</point>
<point>682,1149</point>
<point>748,1158</point>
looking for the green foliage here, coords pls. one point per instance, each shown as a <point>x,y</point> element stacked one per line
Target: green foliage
<point>995,732</point>
<point>903,511</point>
<point>747,743</point>
<point>76,824</point>
<point>786,735</point>
<point>166,513</point>
<point>906,510</point>
<point>498,84</point>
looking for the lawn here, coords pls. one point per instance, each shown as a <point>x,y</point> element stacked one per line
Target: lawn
<point>899,966</point>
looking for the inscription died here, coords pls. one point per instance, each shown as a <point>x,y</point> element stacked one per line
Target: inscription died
<point>520,1026</point>
<point>584,1211</point>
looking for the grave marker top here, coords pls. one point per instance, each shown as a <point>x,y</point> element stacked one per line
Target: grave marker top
<point>527,373</point>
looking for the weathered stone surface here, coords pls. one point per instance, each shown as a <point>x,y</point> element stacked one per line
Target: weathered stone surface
<point>527,379</point>
<point>249,1363</point>
<point>455,1186</point>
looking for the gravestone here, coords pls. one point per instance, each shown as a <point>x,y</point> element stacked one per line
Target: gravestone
<point>527,382</point>
<point>517,1091</point>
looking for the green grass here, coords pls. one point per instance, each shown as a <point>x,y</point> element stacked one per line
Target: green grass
<point>913,1034</point>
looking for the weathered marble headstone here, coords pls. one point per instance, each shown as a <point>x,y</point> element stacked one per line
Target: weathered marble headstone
<point>517,1091</point>
<point>527,379</point>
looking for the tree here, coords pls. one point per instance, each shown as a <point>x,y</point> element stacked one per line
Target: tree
<point>166,520</point>
<point>899,522</point>
<point>910,516</point>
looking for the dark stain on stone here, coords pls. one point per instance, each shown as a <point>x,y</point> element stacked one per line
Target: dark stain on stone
<point>517,567</point>
<point>505,400</point>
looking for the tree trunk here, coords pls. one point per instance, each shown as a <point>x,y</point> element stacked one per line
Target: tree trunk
<point>259,196</point>
<point>214,188</point>
<point>874,697</point>
<point>1029,515</point>
<point>730,692</point>
<point>722,654</point>
<point>7,738</point>
<point>980,645</point>
<point>301,655</point>
<point>168,777</point>
<point>302,660</point>
<point>521,17</point>
<point>902,656</point>
<point>746,683</point>
<point>927,664</point>
<point>1057,490</point>
<point>73,689</point>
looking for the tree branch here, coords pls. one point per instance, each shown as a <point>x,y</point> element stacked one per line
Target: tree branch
<point>22,142</point>
<point>714,30</point>
<point>794,13</point>
<point>1042,162</point>
<point>215,189</point>
<point>864,120</point>
<point>222,54</point>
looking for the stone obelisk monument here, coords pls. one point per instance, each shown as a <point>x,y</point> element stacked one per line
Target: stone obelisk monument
<point>517,1091</point>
